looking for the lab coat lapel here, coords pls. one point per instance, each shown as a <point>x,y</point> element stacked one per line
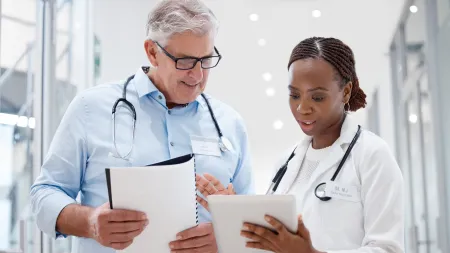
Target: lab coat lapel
<point>294,166</point>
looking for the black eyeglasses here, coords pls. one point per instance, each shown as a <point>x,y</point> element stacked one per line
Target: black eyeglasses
<point>186,63</point>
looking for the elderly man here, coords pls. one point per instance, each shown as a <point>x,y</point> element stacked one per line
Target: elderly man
<point>171,109</point>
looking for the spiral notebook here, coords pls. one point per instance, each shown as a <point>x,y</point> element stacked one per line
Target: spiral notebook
<point>165,191</point>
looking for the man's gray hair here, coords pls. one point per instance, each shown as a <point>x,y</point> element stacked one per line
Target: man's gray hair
<point>170,17</point>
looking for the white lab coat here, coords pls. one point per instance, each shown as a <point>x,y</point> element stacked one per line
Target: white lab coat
<point>375,224</point>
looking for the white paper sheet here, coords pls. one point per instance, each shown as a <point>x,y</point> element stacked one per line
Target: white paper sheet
<point>166,193</point>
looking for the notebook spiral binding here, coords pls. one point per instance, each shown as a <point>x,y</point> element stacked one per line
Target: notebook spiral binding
<point>195,190</point>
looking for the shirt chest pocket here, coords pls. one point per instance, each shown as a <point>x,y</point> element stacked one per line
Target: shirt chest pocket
<point>222,167</point>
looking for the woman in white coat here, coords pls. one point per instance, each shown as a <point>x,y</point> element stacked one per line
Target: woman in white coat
<point>362,209</point>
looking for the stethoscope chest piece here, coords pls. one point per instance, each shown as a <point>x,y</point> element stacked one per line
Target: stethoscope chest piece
<point>320,192</point>
<point>225,144</point>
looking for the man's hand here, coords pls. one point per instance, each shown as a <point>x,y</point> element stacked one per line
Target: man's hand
<point>199,239</point>
<point>209,185</point>
<point>116,228</point>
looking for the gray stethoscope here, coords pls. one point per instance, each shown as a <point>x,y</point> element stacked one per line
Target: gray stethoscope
<point>320,189</point>
<point>224,143</point>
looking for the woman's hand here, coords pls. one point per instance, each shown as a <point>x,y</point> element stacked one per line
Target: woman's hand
<point>209,185</point>
<point>280,240</point>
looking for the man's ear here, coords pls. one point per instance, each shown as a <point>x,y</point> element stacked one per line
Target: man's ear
<point>151,50</point>
<point>347,92</point>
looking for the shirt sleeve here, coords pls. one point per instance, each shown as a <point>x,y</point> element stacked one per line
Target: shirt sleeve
<point>61,173</point>
<point>243,179</point>
<point>383,200</point>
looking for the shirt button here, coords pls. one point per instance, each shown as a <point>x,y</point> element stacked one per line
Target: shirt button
<point>172,144</point>
<point>169,112</point>
<point>160,97</point>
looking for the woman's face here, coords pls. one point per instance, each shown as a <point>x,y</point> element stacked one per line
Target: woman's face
<point>316,99</point>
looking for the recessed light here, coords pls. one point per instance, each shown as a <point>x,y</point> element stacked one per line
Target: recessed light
<point>254,17</point>
<point>270,92</point>
<point>32,122</point>
<point>22,121</point>
<point>267,77</point>
<point>413,118</point>
<point>316,13</point>
<point>413,9</point>
<point>262,42</point>
<point>278,124</point>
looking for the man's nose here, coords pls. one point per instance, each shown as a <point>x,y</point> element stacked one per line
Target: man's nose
<point>197,72</point>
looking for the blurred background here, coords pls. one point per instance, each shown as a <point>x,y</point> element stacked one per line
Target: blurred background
<point>50,50</point>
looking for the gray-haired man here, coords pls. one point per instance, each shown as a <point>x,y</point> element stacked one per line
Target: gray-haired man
<point>170,111</point>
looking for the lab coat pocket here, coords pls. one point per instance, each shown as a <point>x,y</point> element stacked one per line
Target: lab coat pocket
<point>341,216</point>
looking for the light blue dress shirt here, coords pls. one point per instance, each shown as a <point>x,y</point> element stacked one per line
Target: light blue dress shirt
<point>82,148</point>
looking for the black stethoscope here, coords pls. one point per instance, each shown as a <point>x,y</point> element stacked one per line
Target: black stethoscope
<point>320,189</point>
<point>224,143</point>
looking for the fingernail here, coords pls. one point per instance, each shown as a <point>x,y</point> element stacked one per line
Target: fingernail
<point>267,218</point>
<point>144,216</point>
<point>179,237</point>
<point>146,223</point>
<point>245,227</point>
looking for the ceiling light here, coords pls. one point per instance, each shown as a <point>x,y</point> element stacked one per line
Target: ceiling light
<point>32,123</point>
<point>22,121</point>
<point>413,9</point>
<point>316,13</point>
<point>8,119</point>
<point>267,77</point>
<point>413,118</point>
<point>278,124</point>
<point>262,42</point>
<point>254,17</point>
<point>270,92</point>
<point>12,120</point>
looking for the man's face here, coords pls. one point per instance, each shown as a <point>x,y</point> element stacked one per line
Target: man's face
<point>181,86</point>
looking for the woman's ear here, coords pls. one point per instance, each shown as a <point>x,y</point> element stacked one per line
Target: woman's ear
<point>347,92</point>
<point>151,50</point>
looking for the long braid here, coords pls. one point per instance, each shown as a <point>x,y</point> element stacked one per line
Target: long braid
<point>340,56</point>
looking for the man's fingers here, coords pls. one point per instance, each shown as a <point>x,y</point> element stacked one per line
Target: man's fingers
<point>230,189</point>
<point>215,182</point>
<point>203,202</point>
<point>125,237</point>
<point>121,245</point>
<point>191,243</point>
<point>126,215</point>
<point>302,230</point>
<point>197,231</point>
<point>123,227</point>
<point>204,185</point>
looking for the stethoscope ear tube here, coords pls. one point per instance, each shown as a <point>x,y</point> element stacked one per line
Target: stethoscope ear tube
<point>320,190</point>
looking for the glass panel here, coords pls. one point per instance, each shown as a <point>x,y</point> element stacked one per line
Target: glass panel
<point>415,34</point>
<point>416,175</point>
<point>430,162</point>
<point>16,120</point>
<point>443,11</point>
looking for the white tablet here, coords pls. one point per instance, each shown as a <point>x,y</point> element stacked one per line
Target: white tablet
<point>229,212</point>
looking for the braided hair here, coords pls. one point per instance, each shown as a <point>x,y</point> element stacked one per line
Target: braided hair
<point>340,56</point>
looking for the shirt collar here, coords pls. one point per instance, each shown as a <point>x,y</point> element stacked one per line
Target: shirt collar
<point>145,86</point>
